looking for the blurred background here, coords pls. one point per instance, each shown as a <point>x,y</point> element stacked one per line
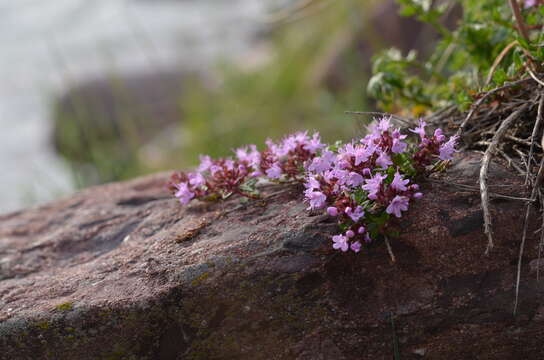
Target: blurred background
<point>105,90</point>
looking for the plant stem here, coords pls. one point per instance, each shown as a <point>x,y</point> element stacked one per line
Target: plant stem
<point>522,28</point>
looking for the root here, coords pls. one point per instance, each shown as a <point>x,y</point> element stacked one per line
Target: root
<point>484,170</point>
<point>507,122</point>
<point>541,242</point>
<point>533,136</point>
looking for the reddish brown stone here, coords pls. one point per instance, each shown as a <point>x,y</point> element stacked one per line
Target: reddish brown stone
<point>123,271</point>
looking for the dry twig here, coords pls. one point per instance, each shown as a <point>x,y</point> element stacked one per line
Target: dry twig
<point>401,119</point>
<point>498,60</point>
<point>522,28</point>
<point>390,250</point>
<point>485,97</point>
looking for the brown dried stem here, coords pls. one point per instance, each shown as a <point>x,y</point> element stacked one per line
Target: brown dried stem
<point>522,28</point>
<point>485,167</point>
<point>533,136</point>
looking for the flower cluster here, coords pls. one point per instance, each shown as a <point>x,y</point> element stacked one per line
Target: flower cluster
<point>287,159</point>
<point>283,161</point>
<point>429,147</point>
<point>363,183</point>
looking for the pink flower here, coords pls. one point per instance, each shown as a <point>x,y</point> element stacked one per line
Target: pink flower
<point>183,193</point>
<point>420,130</point>
<point>316,198</point>
<point>251,156</point>
<point>355,215</point>
<point>354,179</point>
<point>205,163</point>
<point>363,153</point>
<point>312,183</point>
<point>332,211</point>
<point>274,172</point>
<point>529,3</point>
<point>373,185</point>
<point>215,169</point>
<point>399,183</point>
<point>340,243</point>
<point>398,204</point>
<point>314,144</point>
<point>398,145</point>
<point>439,136</point>
<point>356,246</point>
<point>384,160</point>
<point>384,124</point>
<point>196,179</point>
<point>322,163</point>
<point>447,149</point>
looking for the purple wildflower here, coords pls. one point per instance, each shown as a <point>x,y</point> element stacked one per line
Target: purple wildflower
<point>398,204</point>
<point>274,172</point>
<point>384,124</point>
<point>439,136</point>
<point>529,3</point>
<point>332,211</point>
<point>340,243</point>
<point>354,179</point>
<point>399,183</point>
<point>373,185</point>
<point>183,193</point>
<point>314,144</point>
<point>420,130</point>
<point>322,163</point>
<point>196,179</point>
<point>214,169</point>
<point>447,149</point>
<point>384,160</point>
<point>398,145</point>
<point>251,156</point>
<point>205,163</point>
<point>316,198</point>
<point>363,153</point>
<point>355,215</point>
<point>356,246</point>
<point>312,183</point>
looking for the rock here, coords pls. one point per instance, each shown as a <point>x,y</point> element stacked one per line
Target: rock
<point>122,271</point>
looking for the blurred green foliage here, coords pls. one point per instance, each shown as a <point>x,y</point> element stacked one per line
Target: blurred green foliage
<point>314,71</point>
<point>463,58</point>
<point>292,91</point>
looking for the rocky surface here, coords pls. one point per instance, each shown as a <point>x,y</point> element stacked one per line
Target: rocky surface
<point>122,271</point>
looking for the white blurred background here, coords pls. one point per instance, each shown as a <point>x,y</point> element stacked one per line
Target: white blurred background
<point>47,46</point>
